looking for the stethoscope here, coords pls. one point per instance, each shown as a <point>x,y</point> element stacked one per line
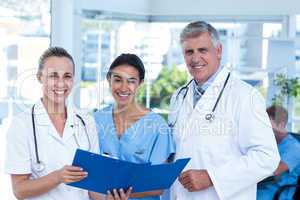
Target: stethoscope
<point>39,166</point>
<point>209,116</point>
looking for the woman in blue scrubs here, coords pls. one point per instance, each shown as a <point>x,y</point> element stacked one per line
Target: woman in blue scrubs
<point>127,130</point>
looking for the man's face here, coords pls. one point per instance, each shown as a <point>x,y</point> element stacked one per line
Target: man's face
<point>278,129</point>
<point>201,56</point>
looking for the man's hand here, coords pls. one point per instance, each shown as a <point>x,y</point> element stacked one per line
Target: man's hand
<point>195,180</point>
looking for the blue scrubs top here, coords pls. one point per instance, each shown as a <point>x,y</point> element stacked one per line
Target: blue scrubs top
<point>147,140</point>
<point>289,149</point>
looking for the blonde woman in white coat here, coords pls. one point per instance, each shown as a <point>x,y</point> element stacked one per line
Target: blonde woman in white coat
<point>41,141</point>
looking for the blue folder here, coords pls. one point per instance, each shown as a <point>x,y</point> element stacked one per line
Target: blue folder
<point>106,173</point>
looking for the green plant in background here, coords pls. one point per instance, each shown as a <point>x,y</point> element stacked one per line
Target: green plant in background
<point>288,87</point>
<point>169,79</point>
<point>86,84</point>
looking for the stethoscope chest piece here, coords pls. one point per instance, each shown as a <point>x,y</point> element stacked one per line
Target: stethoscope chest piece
<point>39,167</point>
<point>210,117</point>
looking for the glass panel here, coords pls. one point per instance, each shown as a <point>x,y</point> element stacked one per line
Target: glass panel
<point>297,106</point>
<point>296,127</point>
<point>158,46</point>
<point>298,24</point>
<point>155,43</point>
<point>24,35</point>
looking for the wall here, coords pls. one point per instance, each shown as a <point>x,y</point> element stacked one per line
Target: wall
<point>131,7</point>
<point>224,7</point>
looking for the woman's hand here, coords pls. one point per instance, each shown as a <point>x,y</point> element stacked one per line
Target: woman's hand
<point>70,174</point>
<point>118,195</point>
<point>25,188</point>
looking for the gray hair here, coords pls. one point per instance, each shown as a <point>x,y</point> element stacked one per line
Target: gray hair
<point>54,52</point>
<point>197,28</point>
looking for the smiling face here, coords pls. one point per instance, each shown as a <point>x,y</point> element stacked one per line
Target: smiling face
<point>56,77</point>
<point>201,56</point>
<point>124,82</point>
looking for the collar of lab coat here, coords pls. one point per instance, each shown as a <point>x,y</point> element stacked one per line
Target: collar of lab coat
<point>189,115</point>
<point>205,85</point>
<point>213,86</point>
<point>42,119</point>
<point>209,98</point>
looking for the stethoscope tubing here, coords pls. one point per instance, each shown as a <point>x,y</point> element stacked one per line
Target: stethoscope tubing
<point>34,136</point>
<point>38,161</point>
<point>186,88</point>
<point>209,116</point>
<point>220,94</point>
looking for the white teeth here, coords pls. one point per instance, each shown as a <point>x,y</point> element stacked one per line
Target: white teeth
<point>123,95</point>
<point>198,66</point>
<point>59,92</point>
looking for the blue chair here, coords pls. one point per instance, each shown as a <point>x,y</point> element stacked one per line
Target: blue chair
<point>284,187</point>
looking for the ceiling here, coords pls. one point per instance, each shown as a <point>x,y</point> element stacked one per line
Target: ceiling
<point>195,7</point>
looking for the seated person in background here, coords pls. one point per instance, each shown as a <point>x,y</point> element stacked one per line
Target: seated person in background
<point>287,171</point>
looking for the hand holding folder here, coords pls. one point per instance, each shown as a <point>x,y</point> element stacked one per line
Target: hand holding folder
<point>106,174</point>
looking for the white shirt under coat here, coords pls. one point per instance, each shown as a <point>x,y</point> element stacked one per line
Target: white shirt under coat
<point>238,149</point>
<point>54,151</point>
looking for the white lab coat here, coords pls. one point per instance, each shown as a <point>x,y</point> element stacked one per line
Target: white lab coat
<point>54,151</point>
<point>238,149</point>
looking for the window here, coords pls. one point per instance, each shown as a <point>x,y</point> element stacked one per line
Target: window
<point>103,40</point>
<point>298,25</point>
<point>157,43</point>
<point>296,117</point>
<point>25,34</point>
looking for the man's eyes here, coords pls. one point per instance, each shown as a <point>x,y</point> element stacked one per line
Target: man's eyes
<point>189,52</point>
<point>53,75</point>
<point>203,50</point>
<point>57,76</point>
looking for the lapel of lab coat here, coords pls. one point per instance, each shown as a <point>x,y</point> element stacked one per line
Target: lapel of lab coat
<point>43,122</point>
<point>184,115</point>
<point>204,105</point>
<point>68,130</point>
<point>208,100</point>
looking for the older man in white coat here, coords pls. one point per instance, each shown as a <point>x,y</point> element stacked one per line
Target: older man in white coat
<point>220,122</point>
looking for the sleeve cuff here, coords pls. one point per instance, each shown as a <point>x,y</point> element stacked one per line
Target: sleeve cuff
<point>17,169</point>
